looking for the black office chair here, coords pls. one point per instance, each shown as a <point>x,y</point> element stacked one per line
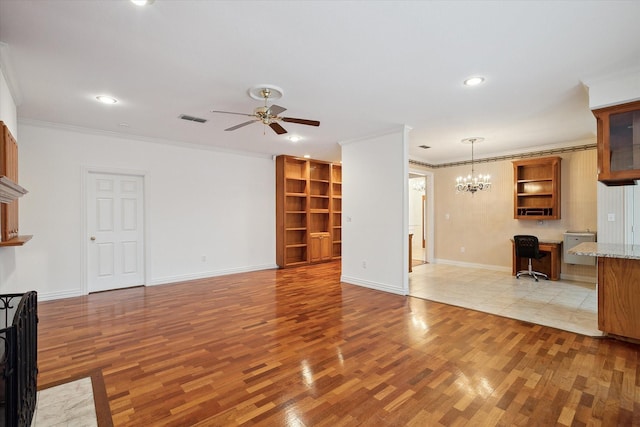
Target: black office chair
<point>528,247</point>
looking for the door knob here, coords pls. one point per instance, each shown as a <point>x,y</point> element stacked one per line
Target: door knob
<point>93,238</point>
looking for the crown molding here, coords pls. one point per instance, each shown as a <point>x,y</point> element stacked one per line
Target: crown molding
<point>130,137</point>
<point>513,156</point>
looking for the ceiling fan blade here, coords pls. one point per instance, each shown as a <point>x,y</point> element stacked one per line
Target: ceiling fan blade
<point>300,121</point>
<point>231,112</point>
<point>241,125</point>
<point>277,128</point>
<point>274,110</point>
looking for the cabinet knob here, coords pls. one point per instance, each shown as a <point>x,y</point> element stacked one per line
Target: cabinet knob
<point>93,238</point>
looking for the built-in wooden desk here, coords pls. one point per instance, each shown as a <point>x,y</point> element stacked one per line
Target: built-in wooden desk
<point>549,265</point>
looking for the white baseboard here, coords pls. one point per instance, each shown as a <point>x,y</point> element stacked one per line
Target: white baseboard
<point>47,296</point>
<point>207,274</point>
<point>372,285</point>
<point>563,276</point>
<point>471,265</point>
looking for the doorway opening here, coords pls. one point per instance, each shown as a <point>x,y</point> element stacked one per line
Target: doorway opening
<point>421,216</point>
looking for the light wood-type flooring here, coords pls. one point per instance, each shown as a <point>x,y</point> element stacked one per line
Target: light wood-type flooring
<point>296,347</point>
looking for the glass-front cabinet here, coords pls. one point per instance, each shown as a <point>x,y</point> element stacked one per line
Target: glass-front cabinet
<point>619,143</point>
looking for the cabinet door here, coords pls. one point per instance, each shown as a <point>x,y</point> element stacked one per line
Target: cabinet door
<point>325,247</point>
<point>618,299</point>
<point>315,247</point>
<point>619,143</point>
<point>319,247</point>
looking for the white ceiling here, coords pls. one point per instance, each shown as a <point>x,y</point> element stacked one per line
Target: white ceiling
<point>360,67</point>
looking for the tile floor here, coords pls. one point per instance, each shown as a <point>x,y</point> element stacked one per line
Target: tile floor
<point>567,305</point>
<point>70,405</point>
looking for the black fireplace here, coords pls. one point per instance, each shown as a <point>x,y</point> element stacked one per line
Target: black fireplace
<point>18,358</point>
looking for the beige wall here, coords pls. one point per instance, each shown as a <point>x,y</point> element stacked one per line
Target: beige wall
<point>483,223</point>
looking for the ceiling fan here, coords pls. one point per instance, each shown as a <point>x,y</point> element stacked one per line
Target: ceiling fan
<point>268,115</point>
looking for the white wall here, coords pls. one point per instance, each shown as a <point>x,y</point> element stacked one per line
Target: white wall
<point>374,212</point>
<point>199,202</point>
<point>7,106</point>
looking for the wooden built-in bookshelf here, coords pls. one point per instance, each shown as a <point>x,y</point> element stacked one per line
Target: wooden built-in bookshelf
<point>307,221</point>
<point>536,188</point>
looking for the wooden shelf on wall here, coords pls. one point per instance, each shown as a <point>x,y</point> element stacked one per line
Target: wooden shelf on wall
<point>10,191</point>
<point>16,241</point>
<point>536,185</point>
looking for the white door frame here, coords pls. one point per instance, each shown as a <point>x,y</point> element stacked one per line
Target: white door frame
<point>84,235</point>
<point>429,213</point>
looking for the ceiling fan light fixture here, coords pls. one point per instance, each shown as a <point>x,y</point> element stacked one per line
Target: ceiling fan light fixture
<point>268,115</point>
<point>294,138</point>
<point>474,81</point>
<point>263,92</point>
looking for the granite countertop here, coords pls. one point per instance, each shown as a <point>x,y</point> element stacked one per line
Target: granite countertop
<point>606,250</point>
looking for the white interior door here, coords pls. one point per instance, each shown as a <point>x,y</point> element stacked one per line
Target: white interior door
<point>115,231</point>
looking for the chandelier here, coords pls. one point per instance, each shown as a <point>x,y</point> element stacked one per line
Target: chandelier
<point>472,183</point>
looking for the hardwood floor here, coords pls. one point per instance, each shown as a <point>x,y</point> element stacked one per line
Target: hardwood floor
<point>297,348</point>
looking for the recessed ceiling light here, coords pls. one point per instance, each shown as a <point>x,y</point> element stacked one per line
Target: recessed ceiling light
<point>105,99</point>
<point>473,81</point>
<point>294,138</point>
<point>141,2</point>
<point>307,156</point>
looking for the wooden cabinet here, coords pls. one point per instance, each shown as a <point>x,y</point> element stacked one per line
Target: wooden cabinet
<point>618,296</point>
<point>536,188</point>
<point>619,143</point>
<point>308,209</point>
<point>319,247</point>
<point>10,191</point>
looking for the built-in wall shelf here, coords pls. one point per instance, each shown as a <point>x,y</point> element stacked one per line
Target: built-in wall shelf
<point>10,191</point>
<point>536,185</point>
<point>308,210</point>
<point>16,241</point>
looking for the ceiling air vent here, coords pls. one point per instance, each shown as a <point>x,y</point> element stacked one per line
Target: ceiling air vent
<point>424,147</point>
<point>192,119</point>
